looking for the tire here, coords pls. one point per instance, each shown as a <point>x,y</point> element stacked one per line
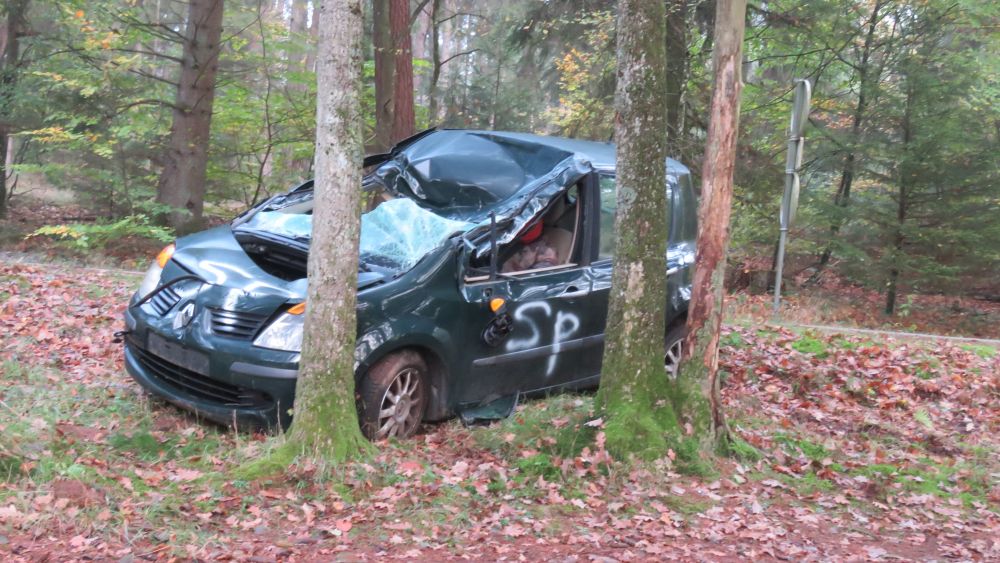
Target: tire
<point>673,348</point>
<point>393,396</point>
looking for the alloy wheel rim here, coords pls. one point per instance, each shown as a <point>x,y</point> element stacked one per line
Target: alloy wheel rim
<point>672,359</point>
<point>399,410</point>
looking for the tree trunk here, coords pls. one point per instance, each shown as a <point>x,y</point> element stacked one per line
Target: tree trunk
<point>385,73</point>
<point>13,27</point>
<point>299,31</point>
<point>638,414</point>
<point>843,195</point>
<point>182,182</point>
<point>696,390</point>
<point>310,62</point>
<point>403,120</point>
<point>902,203</point>
<point>297,20</point>
<point>326,418</point>
<point>432,98</point>
<point>677,74</point>
<point>496,89</point>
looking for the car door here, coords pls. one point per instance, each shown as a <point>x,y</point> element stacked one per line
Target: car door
<point>556,332</point>
<point>679,252</point>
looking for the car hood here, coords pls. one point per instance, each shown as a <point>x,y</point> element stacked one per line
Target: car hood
<point>216,257</point>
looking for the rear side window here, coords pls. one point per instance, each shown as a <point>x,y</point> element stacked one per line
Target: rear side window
<point>609,202</point>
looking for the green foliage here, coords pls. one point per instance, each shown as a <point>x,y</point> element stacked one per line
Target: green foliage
<point>92,106</point>
<point>85,236</point>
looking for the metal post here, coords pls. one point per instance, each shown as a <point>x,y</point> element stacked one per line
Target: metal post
<point>779,271</point>
<point>790,197</point>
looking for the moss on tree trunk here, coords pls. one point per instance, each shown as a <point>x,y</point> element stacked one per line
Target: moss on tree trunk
<point>639,416</point>
<point>696,391</point>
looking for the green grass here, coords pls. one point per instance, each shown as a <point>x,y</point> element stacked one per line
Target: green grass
<point>792,445</point>
<point>845,343</point>
<point>969,481</point>
<point>734,340</point>
<point>981,350</point>
<point>742,450</point>
<point>809,345</point>
<point>555,426</point>
<point>686,506</point>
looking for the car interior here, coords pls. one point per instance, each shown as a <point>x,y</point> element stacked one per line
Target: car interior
<point>559,232</point>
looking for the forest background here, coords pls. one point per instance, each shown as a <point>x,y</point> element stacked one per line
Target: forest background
<point>901,190</point>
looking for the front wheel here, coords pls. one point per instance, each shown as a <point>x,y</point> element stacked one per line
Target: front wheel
<point>674,349</point>
<point>393,396</point>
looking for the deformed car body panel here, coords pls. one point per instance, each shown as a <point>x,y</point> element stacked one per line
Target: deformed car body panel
<point>422,287</point>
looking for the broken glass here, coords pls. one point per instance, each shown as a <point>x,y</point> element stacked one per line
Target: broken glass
<point>398,233</point>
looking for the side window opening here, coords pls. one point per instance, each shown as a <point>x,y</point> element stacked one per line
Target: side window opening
<point>550,242</point>
<point>608,203</point>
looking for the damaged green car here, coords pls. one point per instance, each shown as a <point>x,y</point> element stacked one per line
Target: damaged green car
<point>484,274</point>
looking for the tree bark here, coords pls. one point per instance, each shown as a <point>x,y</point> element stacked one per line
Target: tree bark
<point>310,63</point>
<point>182,182</point>
<point>13,28</point>
<point>432,98</point>
<point>326,419</point>
<point>638,414</point>
<point>298,18</point>
<point>696,389</point>
<point>902,203</point>
<point>385,73</point>
<point>403,119</point>
<point>677,74</point>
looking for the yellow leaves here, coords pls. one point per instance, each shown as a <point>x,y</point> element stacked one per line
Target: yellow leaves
<point>61,231</point>
<point>52,75</point>
<point>55,134</point>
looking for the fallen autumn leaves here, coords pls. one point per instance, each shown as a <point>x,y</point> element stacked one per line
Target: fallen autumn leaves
<point>851,449</point>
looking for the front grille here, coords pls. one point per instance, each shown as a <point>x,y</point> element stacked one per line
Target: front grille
<point>164,300</point>
<point>198,385</point>
<point>236,324</point>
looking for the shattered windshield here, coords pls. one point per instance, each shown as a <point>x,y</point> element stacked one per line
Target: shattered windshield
<point>395,235</point>
<point>398,233</point>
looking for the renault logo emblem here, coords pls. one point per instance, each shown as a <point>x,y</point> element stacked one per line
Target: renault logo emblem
<point>184,316</point>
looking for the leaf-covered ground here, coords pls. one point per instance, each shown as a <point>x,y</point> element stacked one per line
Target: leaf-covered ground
<point>850,448</point>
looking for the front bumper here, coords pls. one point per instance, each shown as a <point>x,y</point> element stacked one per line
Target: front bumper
<point>223,380</point>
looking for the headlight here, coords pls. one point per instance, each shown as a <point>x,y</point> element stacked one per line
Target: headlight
<point>285,333</point>
<point>152,278</point>
<point>150,281</point>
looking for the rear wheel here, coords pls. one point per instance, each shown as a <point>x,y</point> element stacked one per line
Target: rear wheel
<point>394,396</point>
<point>674,349</point>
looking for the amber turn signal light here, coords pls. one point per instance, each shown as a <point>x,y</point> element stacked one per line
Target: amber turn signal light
<point>298,309</point>
<point>496,304</point>
<point>164,256</point>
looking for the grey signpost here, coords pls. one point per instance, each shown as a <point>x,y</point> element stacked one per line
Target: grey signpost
<point>790,198</point>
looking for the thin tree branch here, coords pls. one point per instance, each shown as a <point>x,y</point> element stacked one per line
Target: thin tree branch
<point>455,56</point>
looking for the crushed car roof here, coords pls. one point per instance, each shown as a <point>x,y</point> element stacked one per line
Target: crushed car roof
<point>476,170</point>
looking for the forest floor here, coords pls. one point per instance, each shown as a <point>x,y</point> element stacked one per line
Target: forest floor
<point>851,447</point>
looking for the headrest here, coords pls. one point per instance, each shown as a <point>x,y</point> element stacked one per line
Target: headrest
<point>532,234</point>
